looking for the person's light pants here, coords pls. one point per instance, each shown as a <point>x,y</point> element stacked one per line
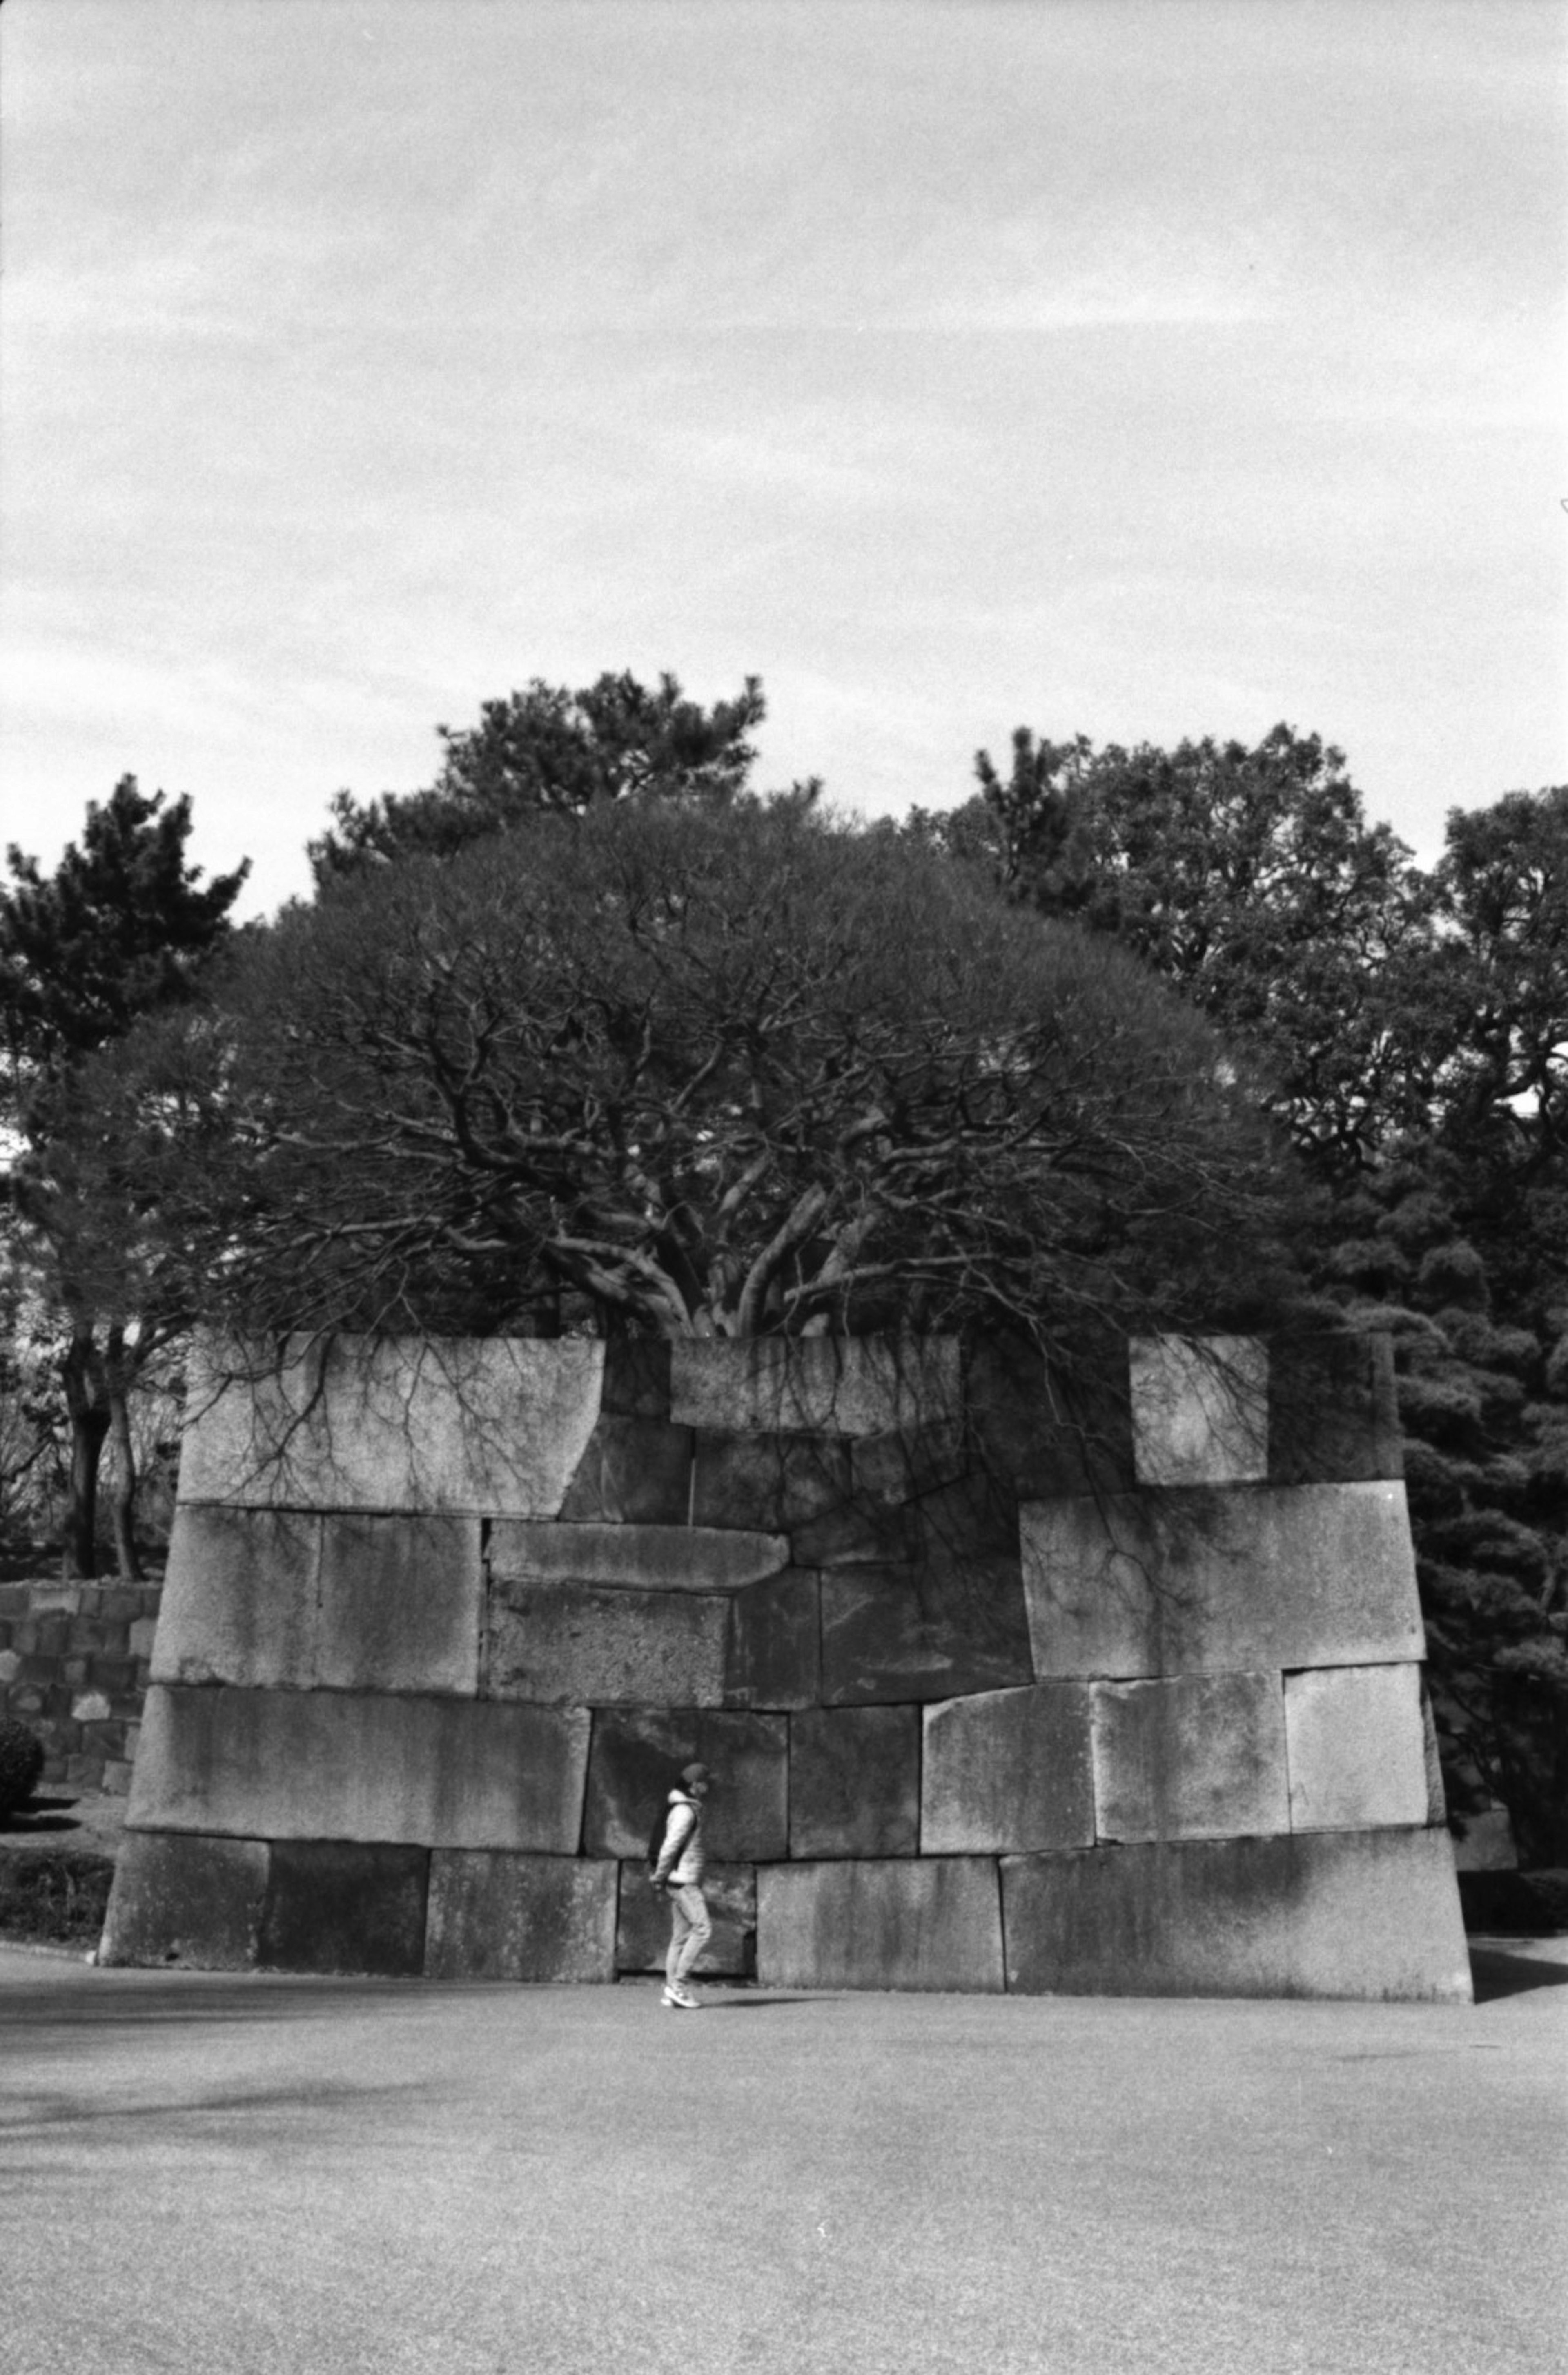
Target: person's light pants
<point>689,1930</point>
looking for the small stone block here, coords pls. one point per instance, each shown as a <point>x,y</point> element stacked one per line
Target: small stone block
<point>187,1900</point>
<point>545,1918</point>
<point>399,1604</point>
<point>240,1599</point>
<point>1207,1582</point>
<point>332,1906</point>
<point>774,1653</point>
<point>772,1482</point>
<point>90,1708</point>
<point>576,1644</point>
<point>1008,1772</point>
<point>1370,1914</point>
<point>815,1385</point>
<point>1199,1410</point>
<point>635,1472</point>
<point>854,1781</point>
<point>144,1632</point>
<point>1196,1756</point>
<point>643,1927</point>
<point>1333,1411</point>
<point>643,1558</point>
<point>920,1924</point>
<point>1356,1739</point>
<point>635,1761</point>
<point>887,1634</point>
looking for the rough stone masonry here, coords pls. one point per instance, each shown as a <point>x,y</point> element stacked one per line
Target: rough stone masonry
<point>990,1710</point>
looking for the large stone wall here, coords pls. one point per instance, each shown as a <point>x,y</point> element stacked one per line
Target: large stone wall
<point>987,1708</point>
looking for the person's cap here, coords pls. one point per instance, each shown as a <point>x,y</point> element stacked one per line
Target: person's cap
<point>694,1773</point>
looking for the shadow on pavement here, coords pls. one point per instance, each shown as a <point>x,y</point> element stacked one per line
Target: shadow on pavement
<point>1494,1973</point>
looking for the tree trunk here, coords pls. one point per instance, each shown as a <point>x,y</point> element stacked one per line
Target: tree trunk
<point>81,1373</point>
<point>123,1506</point>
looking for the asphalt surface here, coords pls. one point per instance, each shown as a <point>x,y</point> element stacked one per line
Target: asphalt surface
<point>288,2177</point>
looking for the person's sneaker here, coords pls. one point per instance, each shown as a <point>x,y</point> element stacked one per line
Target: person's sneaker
<point>680,2000</point>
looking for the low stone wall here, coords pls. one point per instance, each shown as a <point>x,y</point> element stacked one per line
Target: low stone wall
<point>75,1658</point>
<point>440,1622</point>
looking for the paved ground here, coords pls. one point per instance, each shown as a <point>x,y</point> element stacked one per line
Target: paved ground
<point>287,2177</point>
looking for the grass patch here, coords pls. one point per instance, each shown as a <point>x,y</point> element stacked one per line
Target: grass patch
<point>54,1898</point>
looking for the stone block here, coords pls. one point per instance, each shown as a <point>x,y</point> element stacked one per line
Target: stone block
<point>144,1632</point>
<point>854,1781</point>
<point>239,1598</point>
<point>1196,1757</point>
<point>636,1378</point>
<point>635,1472</point>
<point>887,1470</point>
<point>635,1761</point>
<point>643,1927</point>
<point>774,1652</point>
<point>475,1425</point>
<point>815,1385</point>
<point>1045,1434</point>
<point>892,1635</point>
<point>858,1533</point>
<point>546,1919</point>
<point>641,1559</point>
<point>399,1604</point>
<point>579,1645</point>
<point>1199,1410</point>
<point>91,1706</point>
<point>769,1482</point>
<point>923,1924</point>
<point>1371,1914</point>
<point>1356,1740</point>
<point>1008,1772</point>
<point>334,1906</point>
<point>180,1899</point>
<point>1206,1582</point>
<point>341,1765</point>
<point>1333,1411</point>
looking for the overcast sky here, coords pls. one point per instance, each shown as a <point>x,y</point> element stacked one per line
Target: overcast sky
<point>1137,368</point>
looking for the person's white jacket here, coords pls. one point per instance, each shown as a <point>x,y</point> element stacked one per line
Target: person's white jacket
<point>681,1858</point>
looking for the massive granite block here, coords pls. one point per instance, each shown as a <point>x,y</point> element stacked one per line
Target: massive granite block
<point>858,1533</point>
<point>180,1899</point>
<point>545,1918</point>
<point>635,1472</point>
<point>854,1781</point>
<point>887,1470</point>
<point>889,1634</point>
<point>1356,1739</point>
<point>644,1558</point>
<point>493,1424</point>
<point>240,1599</point>
<point>1333,1411</point>
<point>636,1378</point>
<point>579,1645</point>
<point>340,1765</point>
<point>1206,1582</point>
<point>1045,1435</point>
<point>1008,1772</point>
<point>815,1385</point>
<point>636,1760</point>
<point>399,1604</point>
<point>334,1906</point>
<point>1196,1757</point>
<point>924,1923</point>
<point>775,1482</point>
<point>1362,1914</point>
<point>774,1652</point>
<point>1199,1410</point>
<point>642,1932</point>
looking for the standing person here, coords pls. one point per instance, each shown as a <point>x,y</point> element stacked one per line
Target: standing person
<point>678,1874</point>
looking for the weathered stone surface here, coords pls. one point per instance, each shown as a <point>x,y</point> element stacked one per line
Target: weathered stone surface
<point>1356,1738</point>
<point>480,1424</point>
<point>854,1781</point>
<point>636,1378</point>
<point>924,1922</point>
<point>1333,1412</point>
<point>636,1760</point>
<point>772,1481</point>
<point>333,1907</point>
<point>815,1385</point>
<point>400,1607</point>
<point>1045,1435</point>
<point>1195,1582</point>
<point>580,1645</point>
<point>1199,1410</point>
<point>635,1472</point>
<point>1332,1913</point>
<point>643,1559</point>
<point>184,1899</point>
<point>889,1635</point>
<point>1196,1756</point>
<point>895,1468</point>
<point>1008,1772</point>
<point>546,1919</point>
<point>341,1765</point>
<point>858,1533</point>
<point>644,1930</point>
<point>240,1599</point>
<point>774,1653</point>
